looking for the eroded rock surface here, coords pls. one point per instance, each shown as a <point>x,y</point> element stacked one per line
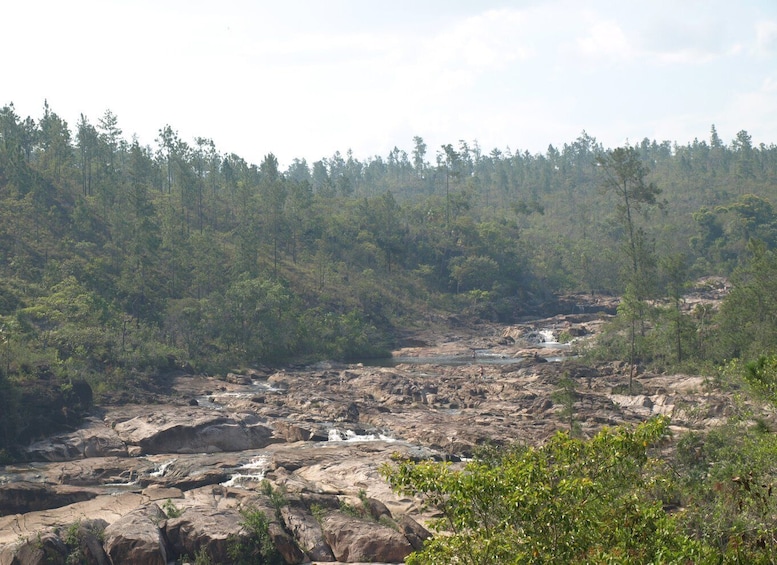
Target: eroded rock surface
<point>169,480</point>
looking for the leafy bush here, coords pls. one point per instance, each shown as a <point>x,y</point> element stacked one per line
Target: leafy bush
<point>255,546</point>
<point>590,501</point>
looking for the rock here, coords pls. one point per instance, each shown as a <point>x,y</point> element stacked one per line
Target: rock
<point>199,529</point>
<point>375,508</point>
<point>234,378</point>
<point>90,548</point>
<point>415,533</point>
<point>293,432</point>
<point>93,439</point>
<point>45,549</point>
<point>306,531</point>
<point>23,497</point>
<point>283,543</point>
<point>194,431</point>
<point>136,538</point>
<point>353,540</point>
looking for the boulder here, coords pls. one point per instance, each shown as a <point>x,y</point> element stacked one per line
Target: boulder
<point>203,529</point>
<point>92,439</point>
<point>22,497</point>
<point>415,533</point>
<point>44,549</point>
<point>194,430</point>
<point>136,538</point>
<point>353,540</point>
<point>283,543</point>
<point>293,432</point>
<point>90,549</point>
<point>306,531</point>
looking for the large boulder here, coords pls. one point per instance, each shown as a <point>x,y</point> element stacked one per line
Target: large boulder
<point>194,430</point>
<point>92,439</point>
<point>281,540</point>
<point>353,540</point>
<point>415,533</point>
<point>22,497</point>
<point>44,549</point>
<point>89,548</point>
<point>136,538</point>
<point>203,529</point>
<point>306,531</point>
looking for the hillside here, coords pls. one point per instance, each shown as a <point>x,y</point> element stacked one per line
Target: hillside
<point>121,263</point>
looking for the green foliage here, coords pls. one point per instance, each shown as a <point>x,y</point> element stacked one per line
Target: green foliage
<point>726,480</point>
<point>171,510</point>
<point>120,263</point>
<point>277,496</point>
<point>590,501</point>
<point>202,557</point>
<point>566,396</point>
<point>748,316</point>
<point>254,545</point>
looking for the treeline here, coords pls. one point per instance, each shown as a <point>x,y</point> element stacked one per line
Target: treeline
<point>120,260</point>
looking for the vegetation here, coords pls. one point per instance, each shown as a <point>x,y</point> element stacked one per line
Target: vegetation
<point>255,545</point>
<point>571,500</point>
<point>122,263</point>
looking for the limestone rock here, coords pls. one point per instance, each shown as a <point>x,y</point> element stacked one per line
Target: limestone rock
<point>46,549</point>
<point>199,529</point>
<point>136,538</point>
<point>92,439</point>
<point>194,430</point>
<point>352,540</point>
<point>22,497</point>
<point>306,531</point>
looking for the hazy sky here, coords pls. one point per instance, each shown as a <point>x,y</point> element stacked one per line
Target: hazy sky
<point>306,78</point>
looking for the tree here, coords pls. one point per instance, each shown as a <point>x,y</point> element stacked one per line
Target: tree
<point>747,320</point>
<point>451,160</point>
<point>419,153</point>
<point>570,500</point>
<point>55,142</point>
<point>86,137</point>
<point>624,174</point>
<point>274,193</point>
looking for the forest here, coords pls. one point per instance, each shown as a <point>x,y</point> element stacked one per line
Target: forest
<point>119,262</point>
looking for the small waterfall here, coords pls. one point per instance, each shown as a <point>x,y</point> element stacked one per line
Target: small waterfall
<point>548,336</point>
<point>162,469</point>
<point>254,472</point>
<point>336,435</point>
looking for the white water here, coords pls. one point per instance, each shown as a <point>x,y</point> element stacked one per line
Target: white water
<point>162,469</point>
<point>351,436</point>
<point>257,467</point>
<point>547,336</point>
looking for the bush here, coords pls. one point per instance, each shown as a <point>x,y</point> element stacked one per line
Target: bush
<point>256,545</point>
<point>589,501</point>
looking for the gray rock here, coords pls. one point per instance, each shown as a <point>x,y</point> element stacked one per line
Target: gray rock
<point>203,529</point>
<point>136,538</point>
<point>353,540</point>
<point>44,549</point>
<point>22,497</point>
<point>307,532</point>
<point>192,430</point>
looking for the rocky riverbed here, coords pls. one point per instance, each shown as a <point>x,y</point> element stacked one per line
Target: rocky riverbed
<point>158,482</point>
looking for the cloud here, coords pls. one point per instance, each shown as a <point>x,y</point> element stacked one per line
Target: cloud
<point>605,41</point>
<point>766,38</point>
<point>755,111</point>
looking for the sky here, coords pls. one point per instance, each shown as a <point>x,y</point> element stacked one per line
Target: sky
<point>306,78</point>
